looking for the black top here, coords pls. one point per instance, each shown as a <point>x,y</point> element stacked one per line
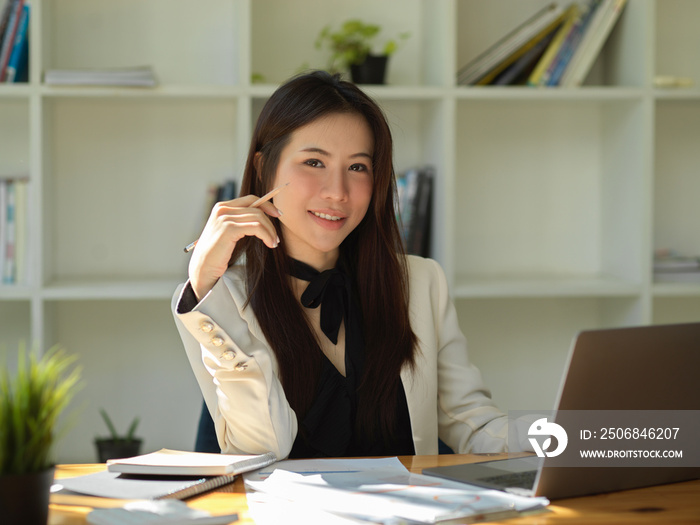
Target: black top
<point>328,429</point>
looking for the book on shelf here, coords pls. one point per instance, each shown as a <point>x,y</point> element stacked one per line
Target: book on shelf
<point>554,47</point>
<point>571,15</point>
<point>3,228</point>
<point>414,209</point>
<point>181,463</point>
<point>556,69</point>
<point>141,76</point>
<point>485,67</point>
<point>518,72</point>
<point>596,34</point>
<point>5,9</point>
<point>676,264</point>
<point>13,13</point>
<point>13,230</point>
<point>20,251</point>
<point>17,64</point>
<point>671,266</point>
<point>8,271</point>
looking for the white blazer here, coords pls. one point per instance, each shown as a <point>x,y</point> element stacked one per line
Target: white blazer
<point>238,372</point>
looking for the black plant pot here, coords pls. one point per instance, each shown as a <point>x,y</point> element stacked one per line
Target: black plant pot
<point>24,498</point>
<point>116,449</point>
<point>371,71</point>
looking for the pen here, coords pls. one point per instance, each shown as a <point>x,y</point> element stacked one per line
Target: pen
<point>257,203</point>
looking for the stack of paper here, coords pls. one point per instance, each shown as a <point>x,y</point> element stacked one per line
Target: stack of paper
<point>371,490</point>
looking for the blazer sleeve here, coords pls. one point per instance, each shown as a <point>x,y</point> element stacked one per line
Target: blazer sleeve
<point>468,419</point>
<point>236,371</point>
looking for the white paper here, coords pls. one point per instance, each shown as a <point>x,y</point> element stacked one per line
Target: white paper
<point>376,490</point>
<point>167,512</point>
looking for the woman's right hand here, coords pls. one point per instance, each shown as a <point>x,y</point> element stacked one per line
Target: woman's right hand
<point>228,222</point>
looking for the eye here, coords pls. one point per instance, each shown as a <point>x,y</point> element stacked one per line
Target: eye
<point>314,163</point>
<point>358,167</point>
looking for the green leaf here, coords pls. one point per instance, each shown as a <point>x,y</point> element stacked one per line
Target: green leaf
<point>132,429</point>
<point>110,426</point>
<point>352,42</point>
<point>30,406</point>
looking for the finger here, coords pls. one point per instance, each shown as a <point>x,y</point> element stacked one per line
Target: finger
<point>243,202</point>
<point>250,223</point>
<point>270,209</point>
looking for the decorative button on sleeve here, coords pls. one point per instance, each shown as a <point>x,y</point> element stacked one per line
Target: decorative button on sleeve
<point>228,354</point>
<point>217,340</point>
<point>206,327</point>
<point>240,367</point>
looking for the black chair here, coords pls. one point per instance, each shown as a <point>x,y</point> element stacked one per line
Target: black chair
<point>443,448</point>
<point>206,434</point>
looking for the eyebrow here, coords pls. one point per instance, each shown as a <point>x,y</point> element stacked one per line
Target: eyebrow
<point>320,151</point>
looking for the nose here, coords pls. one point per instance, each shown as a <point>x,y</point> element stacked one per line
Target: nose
<point>335,185</point>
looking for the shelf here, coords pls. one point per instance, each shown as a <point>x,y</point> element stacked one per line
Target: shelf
<point>683,95</point>
<point>393,92</point>
<point>582,94</point>
<point>685,289</point>
<point>16,292</point>
<point>471,287</point>
<point>123,289</point>
<point>10,91</point>
<point>164,91</point>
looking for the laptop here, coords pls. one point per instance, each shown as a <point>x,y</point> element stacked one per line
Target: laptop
<point>640,368</point>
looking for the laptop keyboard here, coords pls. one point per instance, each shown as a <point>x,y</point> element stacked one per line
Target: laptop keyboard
<point>524,480</point>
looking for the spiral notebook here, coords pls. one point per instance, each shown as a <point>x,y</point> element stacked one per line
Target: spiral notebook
<point>180,463</point>
<point>161,475</point>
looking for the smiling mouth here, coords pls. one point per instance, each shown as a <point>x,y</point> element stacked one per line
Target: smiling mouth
<point>326,216</point>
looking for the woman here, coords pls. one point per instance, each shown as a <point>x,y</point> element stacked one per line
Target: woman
<point>309,330</point>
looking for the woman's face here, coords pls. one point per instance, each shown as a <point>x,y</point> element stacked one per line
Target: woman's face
<point>328,165</point>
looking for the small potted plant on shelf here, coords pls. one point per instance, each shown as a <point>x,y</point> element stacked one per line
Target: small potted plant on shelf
<point>117,446</point>
<point>30,405</point>
<point>354,47</point>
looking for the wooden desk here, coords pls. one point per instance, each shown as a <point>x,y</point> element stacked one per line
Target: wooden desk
<point>676,503</point>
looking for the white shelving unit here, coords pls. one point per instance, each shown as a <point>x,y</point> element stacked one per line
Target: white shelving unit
<point>548,202</point>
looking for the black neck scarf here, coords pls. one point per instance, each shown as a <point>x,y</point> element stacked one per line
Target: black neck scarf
<point>330,288</point>
<point>329,427</point>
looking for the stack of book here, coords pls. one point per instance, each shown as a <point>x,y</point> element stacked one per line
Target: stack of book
<point>554,47</point>
<point>671,266</point>
<point>414,208</point>
<point>14,41</point>
<point>13,229</point>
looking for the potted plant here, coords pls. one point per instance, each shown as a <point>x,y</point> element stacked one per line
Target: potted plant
<point>117,446</point>
<point>30,405</point>
<point>354,47</point>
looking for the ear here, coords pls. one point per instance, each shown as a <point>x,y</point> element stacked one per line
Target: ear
<point>257,163</point>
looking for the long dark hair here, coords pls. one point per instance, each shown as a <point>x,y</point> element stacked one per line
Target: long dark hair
<point>373,251</point>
